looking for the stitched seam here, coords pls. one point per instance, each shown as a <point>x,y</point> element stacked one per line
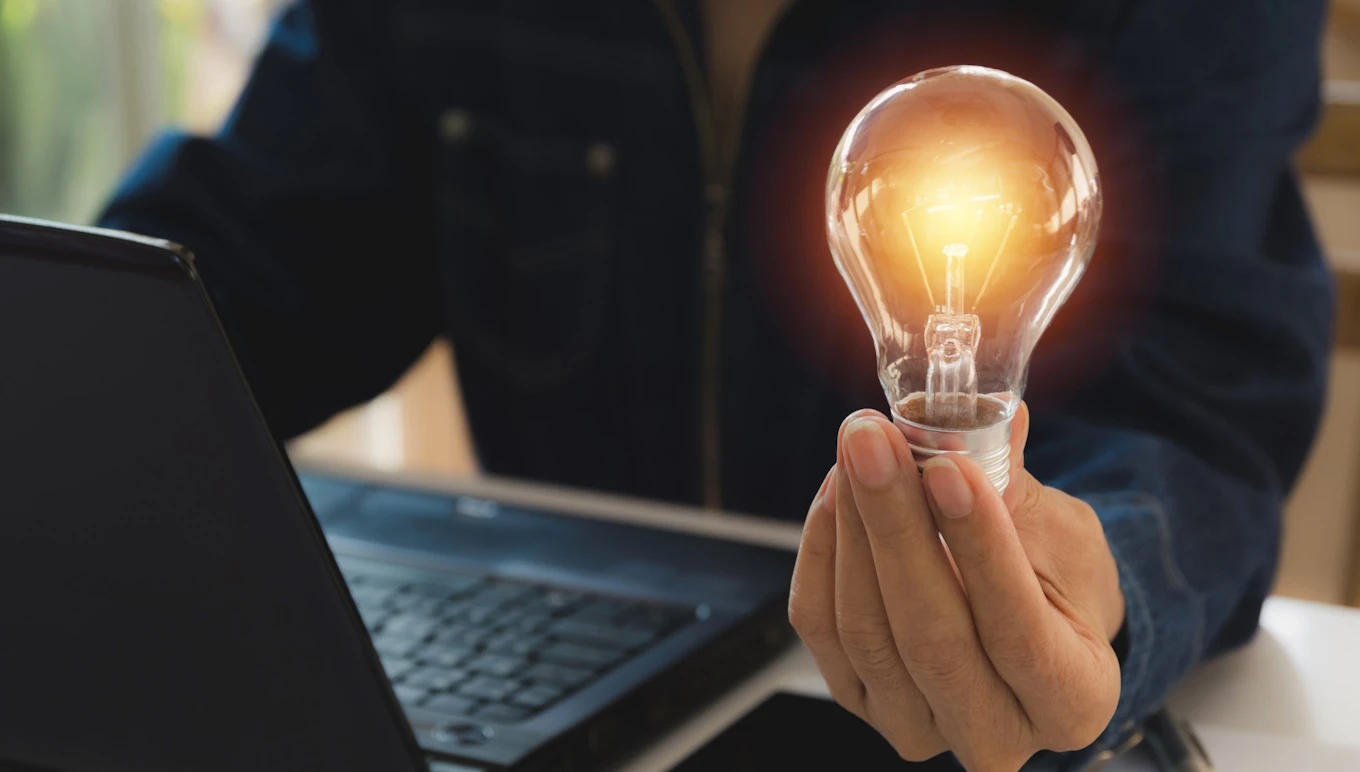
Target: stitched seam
<point>1172,570</point>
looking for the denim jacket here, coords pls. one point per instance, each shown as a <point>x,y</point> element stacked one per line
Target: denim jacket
<point>640,307</point>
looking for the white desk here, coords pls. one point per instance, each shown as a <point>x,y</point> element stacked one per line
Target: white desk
<point>1300,677</point>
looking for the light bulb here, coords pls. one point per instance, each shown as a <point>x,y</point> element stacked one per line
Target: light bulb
<point>962,207</point>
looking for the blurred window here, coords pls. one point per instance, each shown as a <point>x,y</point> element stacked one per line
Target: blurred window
<point>85,83</point>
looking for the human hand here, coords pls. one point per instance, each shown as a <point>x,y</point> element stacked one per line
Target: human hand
<point>993,644</point>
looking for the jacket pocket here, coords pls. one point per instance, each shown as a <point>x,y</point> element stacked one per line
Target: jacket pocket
<point>525,221</point>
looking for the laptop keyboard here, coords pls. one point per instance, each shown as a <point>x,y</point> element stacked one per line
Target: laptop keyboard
<point>497,649</point>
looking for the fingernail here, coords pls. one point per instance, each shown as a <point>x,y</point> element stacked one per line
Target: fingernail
<point>872,460</point>
<point>948,487</point>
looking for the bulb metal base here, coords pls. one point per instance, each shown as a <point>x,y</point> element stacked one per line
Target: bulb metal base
<point>989,445</point>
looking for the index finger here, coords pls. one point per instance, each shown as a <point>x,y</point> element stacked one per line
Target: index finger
<point>927,609</point>
<point>1011,611</point>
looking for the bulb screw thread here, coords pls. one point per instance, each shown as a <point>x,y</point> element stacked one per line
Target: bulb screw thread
<point>988,446</point>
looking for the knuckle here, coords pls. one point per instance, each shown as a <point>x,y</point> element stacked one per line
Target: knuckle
<point>983,552</point>
<point>1024,498</point>
<point>884,522</point>
<point>806,621</point>
<point>938,656</point>
<point>867,639</point>
<point>862,626</point>
<point>875,658</point>
<point>818,549</point>
<point>1023,652</point>
<point>1030,498</point>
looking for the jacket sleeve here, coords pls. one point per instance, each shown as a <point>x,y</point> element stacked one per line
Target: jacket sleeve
<point>301,214</point>
<point>1203,360</point>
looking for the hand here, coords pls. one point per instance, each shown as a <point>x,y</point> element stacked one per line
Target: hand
<point>993,643</point>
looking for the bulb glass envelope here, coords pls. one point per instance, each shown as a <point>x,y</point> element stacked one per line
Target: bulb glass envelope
<point>962,206</point>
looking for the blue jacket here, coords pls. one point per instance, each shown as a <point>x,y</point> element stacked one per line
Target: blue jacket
<point>639,309</point>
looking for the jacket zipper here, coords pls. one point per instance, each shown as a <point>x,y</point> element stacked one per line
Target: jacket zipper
<point>719,171</point>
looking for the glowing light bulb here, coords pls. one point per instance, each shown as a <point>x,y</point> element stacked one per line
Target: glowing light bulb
<point>962,206</point>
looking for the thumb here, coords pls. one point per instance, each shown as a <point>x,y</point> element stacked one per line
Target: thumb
<point>1024,491</point>
<point>1022,485</point>
<point>1019,434</point>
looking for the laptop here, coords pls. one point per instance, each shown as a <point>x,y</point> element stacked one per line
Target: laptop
<point>175,597</point>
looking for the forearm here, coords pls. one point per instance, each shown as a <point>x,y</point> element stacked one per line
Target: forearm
<point>305,215</point>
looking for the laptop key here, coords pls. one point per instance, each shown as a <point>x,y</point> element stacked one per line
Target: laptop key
<point>579,655</point>
<point>449,704</point>
<point>434,679</point>
<point>522,620</point>
<point>496,665</point>
<point>515,644</point>
<point>462,635</point>
<point>536,697</point>
<point>500,712</point>
<point>410,626</point>
<point>560,675</point>
<point>530,622</point>
<point>444,655</point>
<point>490,689</point>
<point>478,615</point>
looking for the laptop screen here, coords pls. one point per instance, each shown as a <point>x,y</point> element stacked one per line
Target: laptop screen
<point>168,601</point>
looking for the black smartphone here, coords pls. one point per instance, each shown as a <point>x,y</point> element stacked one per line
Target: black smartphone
<point>791,731</point>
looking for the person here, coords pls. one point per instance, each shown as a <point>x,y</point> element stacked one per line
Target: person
<point>614,212</point>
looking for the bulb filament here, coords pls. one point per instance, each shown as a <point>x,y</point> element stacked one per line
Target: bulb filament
<point>951,342</point>
<point>952,333</point>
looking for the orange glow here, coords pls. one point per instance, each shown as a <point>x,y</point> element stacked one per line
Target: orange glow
<point>980,206</point>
